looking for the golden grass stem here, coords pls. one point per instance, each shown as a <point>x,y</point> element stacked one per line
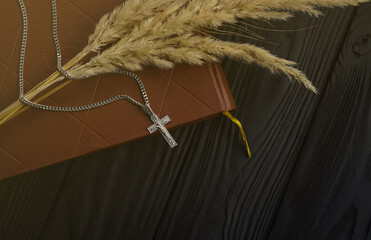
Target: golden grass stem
<point>230,33</point>
<point>247,31</point>
<point>276,30</point>
<point>18,107</point>
<point>24,108</point>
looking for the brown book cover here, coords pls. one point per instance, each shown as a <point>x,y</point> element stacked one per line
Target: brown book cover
<point>39,138</point>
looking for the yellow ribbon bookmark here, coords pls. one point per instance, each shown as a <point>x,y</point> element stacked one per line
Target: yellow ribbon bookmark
<point>238,123</point>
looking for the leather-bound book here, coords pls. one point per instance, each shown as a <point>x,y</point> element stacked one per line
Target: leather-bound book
<point>38,138</point>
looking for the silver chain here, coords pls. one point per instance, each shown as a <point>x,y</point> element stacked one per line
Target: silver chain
<point>67,75</point>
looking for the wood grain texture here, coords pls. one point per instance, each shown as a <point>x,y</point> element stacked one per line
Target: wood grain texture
<point>310,176</point>
<point>332,177</point>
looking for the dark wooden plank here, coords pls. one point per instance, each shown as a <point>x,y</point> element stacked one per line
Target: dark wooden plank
<point>26,200</point>
<point>204,189</point>
<point>288,110</point>
<point>329,195</point>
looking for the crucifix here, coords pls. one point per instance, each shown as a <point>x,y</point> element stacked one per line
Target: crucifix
<point>159,124</point>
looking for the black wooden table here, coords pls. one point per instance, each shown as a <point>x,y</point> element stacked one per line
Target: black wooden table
<point>309,178</point>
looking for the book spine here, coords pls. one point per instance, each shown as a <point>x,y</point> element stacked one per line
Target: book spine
<point>221,85</point>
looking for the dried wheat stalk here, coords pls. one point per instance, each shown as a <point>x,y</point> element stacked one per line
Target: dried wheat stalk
<point>164,33</point>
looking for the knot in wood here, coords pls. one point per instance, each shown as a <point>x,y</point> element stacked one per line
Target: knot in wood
<point>362,46</point>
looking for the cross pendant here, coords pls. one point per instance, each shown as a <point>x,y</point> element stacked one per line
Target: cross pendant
<point>159,124</point>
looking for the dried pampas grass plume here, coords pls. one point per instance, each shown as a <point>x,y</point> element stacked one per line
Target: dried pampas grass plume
<point>164,33</point>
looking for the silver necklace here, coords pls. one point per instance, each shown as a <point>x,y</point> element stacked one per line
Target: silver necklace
<point>158,124</point>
